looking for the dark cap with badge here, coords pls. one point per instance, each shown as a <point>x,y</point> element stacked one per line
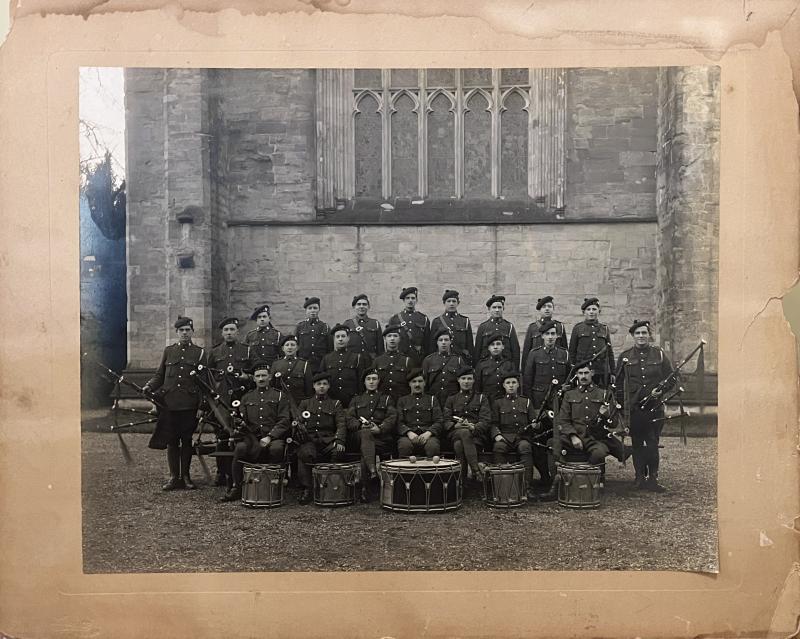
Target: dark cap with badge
<point>408,291</point>
<point>319,376</point>
<point>391,328</point>
<point>260,309</point>
<point>413,374</point>
<point>183,321</point>
<point>542,301</point>
<point>465,370</point>
<point>228,320</point>
<point>590,301</point>
<point>546,326</point>
<point>311,300</point>
<point>638,324</point>
<point>360,296</point>
<point>369,371</point>
<point>288,338</point>
<point>340,327</point>
<point>442,331</point>
<point>495,298</point>
<point>509,375</point>
<point>260,366</point>
<point>449,294</point>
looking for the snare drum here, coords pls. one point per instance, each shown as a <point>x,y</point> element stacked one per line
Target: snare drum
<point>335,484</point>
<point>420,486</point>
<point>578,485</point>
<point>504,485</point>
<point>263,485</point>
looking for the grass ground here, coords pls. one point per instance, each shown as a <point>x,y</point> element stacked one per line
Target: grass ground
<point>130,525</point>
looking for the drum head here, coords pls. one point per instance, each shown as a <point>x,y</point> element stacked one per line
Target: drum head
<point>404,465</point>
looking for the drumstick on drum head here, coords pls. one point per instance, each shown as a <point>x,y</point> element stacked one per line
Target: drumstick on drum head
<point>412,459</point>
<point>436,459</point>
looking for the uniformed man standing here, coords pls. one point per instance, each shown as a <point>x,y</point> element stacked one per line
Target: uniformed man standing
<point>393,366</point>
<point>467,416</point>
<point>419,419</point>
<point>313,335</point>
<point>544,364</point>
<point>372,419</point>
<point>647,366</point>
<point>511,415</point>
<point>588,338</point>
<point>180,396</point>
<point>441,368</point>
<point>581,423</point>
<point>230,363</point>
<point>533,336</point>
<point>327,432</point>
<point>458,325</point>
<point>346,368</point>
<point>415,328</point>
<point>292,371</point>
<point>491,369</point>
<point>264,340</point>
<point>497,325</point>
<point>365,333</point>
<point>266,423</point>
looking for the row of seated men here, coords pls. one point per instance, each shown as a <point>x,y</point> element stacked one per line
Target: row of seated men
<point>418,334</point>
<point>415,421</point>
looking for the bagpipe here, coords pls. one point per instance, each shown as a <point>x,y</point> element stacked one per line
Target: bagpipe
<point>299,432</point>
<point>235,379</point>
<point>655,399</point>
<point>151,415</point>
<point>537,424</point>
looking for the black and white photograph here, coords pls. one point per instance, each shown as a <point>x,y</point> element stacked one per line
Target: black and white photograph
<point>399,319</point>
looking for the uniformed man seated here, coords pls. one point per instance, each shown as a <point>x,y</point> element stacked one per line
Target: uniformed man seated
<point>419,419</point>
<point>371,423</point>
<point>582,421</point>
<point>265,425</point>
<point>467,416</point>
<point>511,416</point>
<point>490,370</point>
<point>327,432</point>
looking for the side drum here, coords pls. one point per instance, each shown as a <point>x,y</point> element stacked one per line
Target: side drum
<point>335,484</point>
<point>578,485</point>
<point>504,485</point>
<point>263,485</point>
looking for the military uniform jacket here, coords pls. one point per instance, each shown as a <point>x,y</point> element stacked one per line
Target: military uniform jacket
<point>346,369</point>
<point>265,344</point>
<point>178,389</point>
<point>296,373</point>
<point>489,375</point>
<point>415,333</point>
<point>533,337</point>
<point>510,341</point>
<point>236,355</point>
<point>327,421</point>
<point>541,368</point>
<point>579,410</point>
<point>646,368</point>
<point>472,406</point>
<point>266,412</point>
<point>392,369</point>
<point>441,374</point>
<point>375,407</point>
<point>588,339</point>
<point>419,413</point>
<point>460,333</point>
<point>313,341</point>
<point>366,336</point>
<point>510,415</point>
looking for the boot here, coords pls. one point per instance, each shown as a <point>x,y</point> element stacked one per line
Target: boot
<point>552,491</point>
<point>305,496</point>
<point>186,460</point>
<point>175,482</point>
<point>653,486</point>
<point>234,493</point>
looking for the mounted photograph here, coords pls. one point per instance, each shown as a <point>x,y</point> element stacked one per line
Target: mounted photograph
<point>414,319</point>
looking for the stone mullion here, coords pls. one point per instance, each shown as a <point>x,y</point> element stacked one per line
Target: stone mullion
<point>458,137</point>
<point>547,128</point>
<point>336,148</point>
<point>495,148</point>
<point>422,136</point>
<point>386,140</point>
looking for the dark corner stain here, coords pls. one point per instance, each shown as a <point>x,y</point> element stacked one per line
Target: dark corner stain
<point>23,400</point>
